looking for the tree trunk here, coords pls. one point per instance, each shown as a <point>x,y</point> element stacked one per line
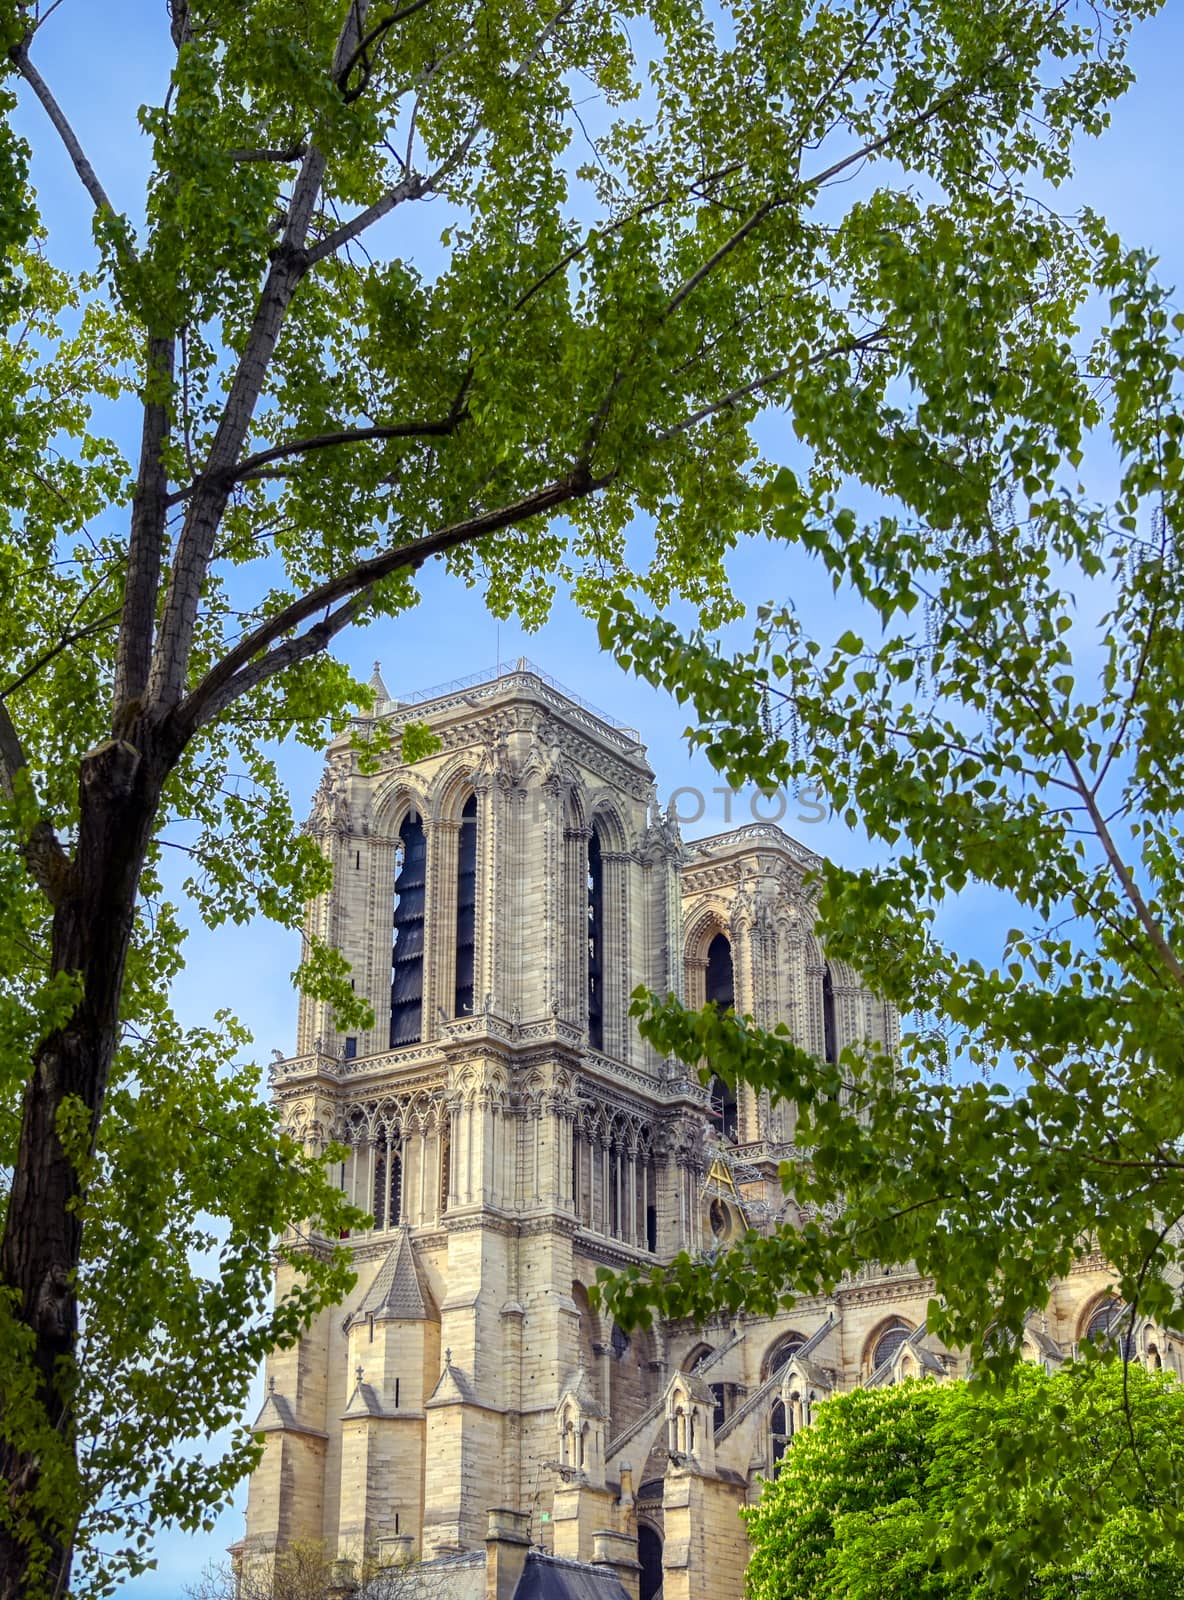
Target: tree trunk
<point>42,1242</point>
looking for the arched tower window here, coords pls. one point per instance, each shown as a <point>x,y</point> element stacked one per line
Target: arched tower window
<point>830,1032</point>
<point>721,991</point>
<point>407,954</point>
<point>721,983</point>
<point>595,943</point>
<point>466,908</point>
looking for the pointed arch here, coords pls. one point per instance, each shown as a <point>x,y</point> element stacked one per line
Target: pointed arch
<point>393,801</point>
<point>1108,1321</point>
<point>721,973</point>
<point>781,1352</point>
<point>701,929</point>
<point>450,789</point>
<point>884,1341</point>
<point>605,817</point>
<point>830,1030</point>
<point>696,1356</point>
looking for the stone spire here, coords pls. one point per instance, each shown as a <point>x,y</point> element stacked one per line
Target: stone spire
<point>381,692</point>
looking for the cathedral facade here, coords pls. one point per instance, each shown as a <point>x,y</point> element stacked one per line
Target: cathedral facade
<point>467,1410</point>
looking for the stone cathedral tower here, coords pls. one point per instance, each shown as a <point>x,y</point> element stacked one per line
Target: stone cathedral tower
<point>512,1134</point>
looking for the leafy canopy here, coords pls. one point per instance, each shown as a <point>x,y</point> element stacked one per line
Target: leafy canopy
<point>1005,722</point>
<point>901,1492</point>
<point>411,283</point>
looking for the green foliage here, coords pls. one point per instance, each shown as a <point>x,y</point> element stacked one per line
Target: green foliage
<point>1006,720</point>
<point>907,1490</point>
<point>584,316</point>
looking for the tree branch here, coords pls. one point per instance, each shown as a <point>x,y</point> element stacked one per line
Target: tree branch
<point>375,36</point>
<point>1123,873</point>
<point>254,466</point>
<point>19,56</point>
<point>289,263</point>
<point>234,676</point>
<point>766,380</point>
<point>146,539</point>
<point>295,152</point>
<point>414,187</point>
<point>66,640</point>
<point>48,864</point>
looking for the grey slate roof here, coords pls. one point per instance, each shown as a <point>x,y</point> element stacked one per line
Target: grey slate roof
<point>400,1291</point>
<point>577,1384</point>
<point>1047,1346</point>
<point>552,1578</point>
<point>275,1413</point>
<point>363,1402</point>
<point>453,1385</point>
<point>818,1377</point>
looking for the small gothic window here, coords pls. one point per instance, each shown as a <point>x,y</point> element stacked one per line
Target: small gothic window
<point>830,1034</point>
<point>407,953</point>
<point>445,1170</point>
<point>466,908</point>
<point>721,986</point>
<point>595,943</point>
<point>779,1433</point>
<point>889,1343</point>
<point>379,1206</point>
<point>619,1341</point>
<point>388,1184</point>
<point>719,1415</point>
<point>724,1106</point>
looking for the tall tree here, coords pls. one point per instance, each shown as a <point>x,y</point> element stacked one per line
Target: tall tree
<point>326,399</point>
<point>1006,722</point>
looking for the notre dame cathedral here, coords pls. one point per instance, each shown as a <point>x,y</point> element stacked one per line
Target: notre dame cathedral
<point>467,1411</point>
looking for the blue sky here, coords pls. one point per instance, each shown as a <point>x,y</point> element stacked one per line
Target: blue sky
<point>103,59</point>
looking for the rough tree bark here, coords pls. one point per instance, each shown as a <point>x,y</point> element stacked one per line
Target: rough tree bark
<point>42,1240</point>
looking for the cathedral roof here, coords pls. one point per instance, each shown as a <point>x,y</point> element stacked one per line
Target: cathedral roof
<point>553,1578</point>
<point>819,1377</point>
<point>400,1291</point>
<point>276,1415</point>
